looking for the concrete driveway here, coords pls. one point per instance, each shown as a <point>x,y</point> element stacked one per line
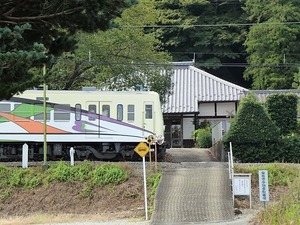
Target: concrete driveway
<point>198,193</point>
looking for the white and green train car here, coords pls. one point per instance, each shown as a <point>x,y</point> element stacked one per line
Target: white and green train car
<point>98,125</point>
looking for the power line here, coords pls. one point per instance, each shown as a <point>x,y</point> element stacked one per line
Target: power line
<point>225,53</point>
<point>210,53</point>
<point>290,65</point>
<point>213,25</point>
<point>87,62</point>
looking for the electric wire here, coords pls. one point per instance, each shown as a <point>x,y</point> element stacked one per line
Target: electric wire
<point>212,25</point>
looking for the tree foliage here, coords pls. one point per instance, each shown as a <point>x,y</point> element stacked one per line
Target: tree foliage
<point>216,33</point>
<point>17,60</point>
<point>272,44</point>
<point>283,111</point>
<point>53,24</point>
<point>193,30</point>
<point>124,57</point>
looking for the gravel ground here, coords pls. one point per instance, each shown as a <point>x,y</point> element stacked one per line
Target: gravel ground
<point>114,222</point>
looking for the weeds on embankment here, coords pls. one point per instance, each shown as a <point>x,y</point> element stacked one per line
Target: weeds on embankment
<point>92,175</point>
<point>284,211</point>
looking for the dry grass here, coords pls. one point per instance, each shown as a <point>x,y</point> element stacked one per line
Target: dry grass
<point>62,218</point>
<point>62,202</point>
<point>38,219</point>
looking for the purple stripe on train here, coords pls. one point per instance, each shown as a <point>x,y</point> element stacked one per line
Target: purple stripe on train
<point>111,120</point>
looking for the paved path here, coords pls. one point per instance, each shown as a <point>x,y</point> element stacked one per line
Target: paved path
<point>197,194</point>
<point>190,155</point>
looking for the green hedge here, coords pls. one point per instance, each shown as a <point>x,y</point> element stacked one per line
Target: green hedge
<point>252,124</point>
<point>255,135</point>
<point>287,150</point>
<point>283,111</point>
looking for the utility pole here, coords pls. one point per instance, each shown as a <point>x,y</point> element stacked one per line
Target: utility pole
<point>45,120</point>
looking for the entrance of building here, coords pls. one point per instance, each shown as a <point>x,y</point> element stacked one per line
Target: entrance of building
<point>176,137</point>
<point>173,133</point>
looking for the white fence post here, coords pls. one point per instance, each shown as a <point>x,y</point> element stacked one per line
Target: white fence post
<point>72,152</point>
<point>231,169</point>
<point>231,159</point>
<point>25,156</point>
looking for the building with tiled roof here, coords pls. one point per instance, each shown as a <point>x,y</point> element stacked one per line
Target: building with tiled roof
<point>197,96</point>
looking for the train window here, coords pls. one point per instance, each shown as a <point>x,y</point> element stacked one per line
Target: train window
<point>42,98</point>
<point>120,112</point>
<point>16,105</point>
<point>92,110</point>
<point>22,111</point>
<point>148,110</point>
<point>62,112</point>
<point>77,112</point>
<point>106,110</point>
<point>39,112</point>
<point>4,107</point>
<point>130,112</point>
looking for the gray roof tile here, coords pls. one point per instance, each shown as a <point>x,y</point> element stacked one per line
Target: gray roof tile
<point>193,85</point>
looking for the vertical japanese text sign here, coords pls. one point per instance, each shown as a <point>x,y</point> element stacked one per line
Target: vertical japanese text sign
<point>263,185</point>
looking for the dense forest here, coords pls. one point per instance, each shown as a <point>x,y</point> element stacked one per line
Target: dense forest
<point>249,42</point>
<point>124,44</point>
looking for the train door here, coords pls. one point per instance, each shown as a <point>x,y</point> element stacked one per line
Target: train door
<point>93,123</point>
<point>149,116</point>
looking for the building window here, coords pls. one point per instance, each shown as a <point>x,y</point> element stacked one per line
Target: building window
<point>130,113</point>
<point>148,110</point>
<point>61,112</point>
<point>92,111</point>
<point>120,112</point>
<point>78,112</point>
<point>106,110</point>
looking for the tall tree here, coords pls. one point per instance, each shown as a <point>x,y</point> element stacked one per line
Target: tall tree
<point>205,31</point>
<point>53,23</point>
<point>17,59</point>
<point>121,58</point>
<point>272,43</point>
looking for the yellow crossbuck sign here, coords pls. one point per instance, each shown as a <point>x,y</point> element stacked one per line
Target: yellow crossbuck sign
<point>142,149</point>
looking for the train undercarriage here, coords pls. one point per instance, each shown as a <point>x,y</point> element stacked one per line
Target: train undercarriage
<point>83,151</point>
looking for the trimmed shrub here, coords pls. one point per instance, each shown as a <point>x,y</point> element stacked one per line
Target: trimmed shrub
<point>254,152</point>
<point>203,137</point>
<point>283,111</point>
<point>252,132</point>
<point>289,149</point>
<point>285,150</point>
<point>252,124</point>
